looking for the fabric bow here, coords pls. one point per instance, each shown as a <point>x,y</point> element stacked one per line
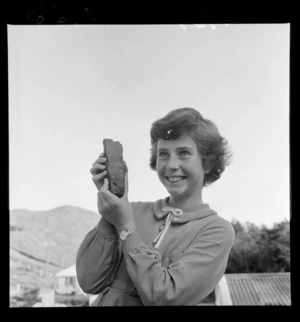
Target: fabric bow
<point>173,215</point>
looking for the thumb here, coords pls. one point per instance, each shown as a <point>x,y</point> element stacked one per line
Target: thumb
<point>106,195</point>
<point>105,185</point>
<point>126,184</point>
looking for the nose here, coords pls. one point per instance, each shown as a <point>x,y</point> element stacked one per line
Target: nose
<point>173,163</point>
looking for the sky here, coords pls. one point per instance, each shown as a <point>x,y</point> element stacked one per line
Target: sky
<point>71,86</point>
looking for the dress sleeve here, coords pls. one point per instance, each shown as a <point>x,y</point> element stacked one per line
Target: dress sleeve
<point>97,258</point>
<point>190,278</point>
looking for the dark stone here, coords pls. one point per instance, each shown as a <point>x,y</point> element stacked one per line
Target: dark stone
<point>115,166</point>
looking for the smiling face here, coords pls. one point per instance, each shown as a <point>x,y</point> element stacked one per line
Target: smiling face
<point>179,168</point>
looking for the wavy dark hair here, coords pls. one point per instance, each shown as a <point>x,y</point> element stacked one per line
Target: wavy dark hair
<point>213,148</point>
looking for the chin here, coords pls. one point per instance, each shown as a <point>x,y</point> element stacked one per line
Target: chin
<point>175,193</point>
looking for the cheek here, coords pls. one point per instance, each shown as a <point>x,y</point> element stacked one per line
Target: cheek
<point>160,169</point>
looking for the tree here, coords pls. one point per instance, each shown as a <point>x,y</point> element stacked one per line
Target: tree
<point>259,249</point>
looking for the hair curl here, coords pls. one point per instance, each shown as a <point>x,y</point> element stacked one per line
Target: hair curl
<point>213,148</point>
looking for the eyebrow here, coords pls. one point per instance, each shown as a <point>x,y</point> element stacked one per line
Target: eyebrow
<point>179,148</point>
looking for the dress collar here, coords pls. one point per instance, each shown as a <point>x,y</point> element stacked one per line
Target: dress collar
<point>189,213</point>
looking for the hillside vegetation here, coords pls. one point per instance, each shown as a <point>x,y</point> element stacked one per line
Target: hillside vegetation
<point>52,236</point>
<point>41,244</point>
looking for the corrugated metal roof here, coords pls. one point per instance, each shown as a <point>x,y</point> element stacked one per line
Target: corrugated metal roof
<point>70,271</point>
<point>259,288</point>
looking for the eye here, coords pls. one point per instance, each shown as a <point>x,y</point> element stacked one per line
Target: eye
<point>162,155</point>
<point>184,153</point>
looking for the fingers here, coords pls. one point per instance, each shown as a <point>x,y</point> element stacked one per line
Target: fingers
<point>98,179</point>
<point>97,168</point>
<point>100,160</point>
<point>99,176</point>
<point>98,171</point>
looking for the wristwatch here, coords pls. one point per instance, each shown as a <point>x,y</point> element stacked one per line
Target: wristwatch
<point>125,233</point>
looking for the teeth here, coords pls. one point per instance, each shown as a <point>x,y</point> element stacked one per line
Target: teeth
<point>175,179</point>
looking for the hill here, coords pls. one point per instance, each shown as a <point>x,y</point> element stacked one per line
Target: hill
<point>51,236</point>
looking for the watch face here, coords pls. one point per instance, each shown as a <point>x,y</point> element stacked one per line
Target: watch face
<point>124,234</point>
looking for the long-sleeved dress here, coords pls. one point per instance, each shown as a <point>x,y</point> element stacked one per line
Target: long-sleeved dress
<point>183,270</point>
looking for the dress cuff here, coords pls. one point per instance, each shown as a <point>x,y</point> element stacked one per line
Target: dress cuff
<point>133,241</point>
<point>106,229</point>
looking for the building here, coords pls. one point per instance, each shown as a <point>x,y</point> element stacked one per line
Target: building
<point>259,289</point>
<point>66,282</point>
<point>254,289</point>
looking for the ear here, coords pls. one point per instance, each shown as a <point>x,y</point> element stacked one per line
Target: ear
<point>206,171</point>
<point>208,164</point>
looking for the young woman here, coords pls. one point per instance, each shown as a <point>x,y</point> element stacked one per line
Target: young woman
<point>170,252</point>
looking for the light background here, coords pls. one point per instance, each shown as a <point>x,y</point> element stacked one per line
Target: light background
<point>71,86</point>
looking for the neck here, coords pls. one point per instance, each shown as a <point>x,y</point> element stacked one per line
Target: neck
<point>177,202</point>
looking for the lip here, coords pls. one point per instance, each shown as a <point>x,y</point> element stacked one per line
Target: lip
<point>175,181</point>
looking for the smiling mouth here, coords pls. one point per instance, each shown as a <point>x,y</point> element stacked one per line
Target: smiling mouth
<point>175,179</point>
